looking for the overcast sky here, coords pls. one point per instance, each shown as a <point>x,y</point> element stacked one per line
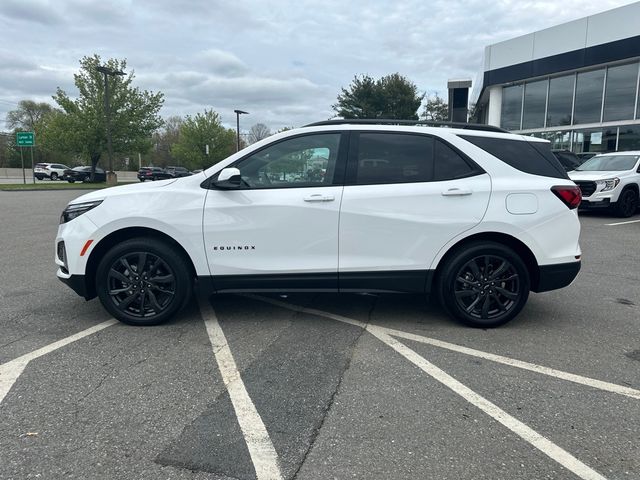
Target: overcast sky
<point>283,61</point>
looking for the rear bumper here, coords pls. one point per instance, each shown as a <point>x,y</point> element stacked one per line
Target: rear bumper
<point>556,276</point>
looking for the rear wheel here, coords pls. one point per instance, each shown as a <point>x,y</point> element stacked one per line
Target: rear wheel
<point>54,176</point>
<point>143,282</point>
<point>484,284</point>
<point>627,203</point>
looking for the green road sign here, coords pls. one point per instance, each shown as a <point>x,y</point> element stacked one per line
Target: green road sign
<point>26,139</point>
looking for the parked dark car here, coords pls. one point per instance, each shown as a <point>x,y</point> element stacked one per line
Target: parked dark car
<point>584,156</point>
<point>567,159</point>
<point>152,173</point>
<point>177,172</point>
<point>83,174</point>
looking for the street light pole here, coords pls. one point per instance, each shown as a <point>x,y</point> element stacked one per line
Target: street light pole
<point>106,71</point>
<point>238,113</point>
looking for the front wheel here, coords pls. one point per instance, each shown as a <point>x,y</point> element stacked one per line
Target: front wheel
<point>143,282</point>
<point>627,204</point>
<point>54,176</point>
<point>484,284</point>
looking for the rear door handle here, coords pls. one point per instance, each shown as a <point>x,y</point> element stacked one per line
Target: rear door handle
<point>456,192</point>
<point>317,197</point>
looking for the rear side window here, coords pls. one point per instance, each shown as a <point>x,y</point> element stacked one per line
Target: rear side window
<point>529,157</point>
<point>450,165</point>
<point>394,158</point>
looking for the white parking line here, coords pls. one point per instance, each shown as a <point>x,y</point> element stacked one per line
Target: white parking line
<point>590,382</point>
<point>543,444</point>
<point>571,377</point>
<point>10,371</point>
<point>621,223</point>
<point>261,449</point>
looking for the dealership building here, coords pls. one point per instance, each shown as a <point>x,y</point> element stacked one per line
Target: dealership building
<point>575,84</point>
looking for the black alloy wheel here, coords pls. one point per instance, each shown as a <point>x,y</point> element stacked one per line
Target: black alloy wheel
<point>485,285</point>
<point>627,203</point>
<point>143,282</point>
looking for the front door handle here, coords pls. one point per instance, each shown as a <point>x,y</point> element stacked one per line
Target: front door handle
<point>317,197</point>
<point>456,192</point>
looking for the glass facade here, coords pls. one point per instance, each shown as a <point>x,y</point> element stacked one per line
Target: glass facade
<point>629,138</point>
<point>588,103</point>
<point>511,107</point>
<point>535,100</point>
<point>560,100</point>
<point>595,140</point>
<point>620,94</point>
<point>573,99</point>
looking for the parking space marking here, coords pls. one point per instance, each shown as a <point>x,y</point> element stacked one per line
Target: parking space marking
<point>621,223</point>
<point>10,371</point>
<point>525,432</point>
<point>570,377</point>
<point>263,453</point>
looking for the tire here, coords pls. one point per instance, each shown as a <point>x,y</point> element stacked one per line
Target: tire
<point>483,301</point>
<point>627,203</point>
<point>141,179</point>
<point>71,180</point>
<point>153,178</point>
<point>54,176</point>
<point>136,301</point>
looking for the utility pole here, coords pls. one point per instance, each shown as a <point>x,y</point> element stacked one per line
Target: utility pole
<point>112,179</point>
<point>238,113</point>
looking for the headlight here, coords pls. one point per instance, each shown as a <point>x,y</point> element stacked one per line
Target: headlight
<point>608,184</point>
<point>77,209</point>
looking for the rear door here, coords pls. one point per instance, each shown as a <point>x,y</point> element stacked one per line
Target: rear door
<point>406,195</point>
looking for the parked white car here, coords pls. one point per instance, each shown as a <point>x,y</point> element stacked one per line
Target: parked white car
<point>52,171</point>
<point>610,180</point>
<point>474,215</point>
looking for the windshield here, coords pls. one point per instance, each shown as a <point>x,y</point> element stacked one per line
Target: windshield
<point>615,163</point>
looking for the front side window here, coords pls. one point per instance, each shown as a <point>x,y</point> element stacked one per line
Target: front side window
<point>305,161</point>
<point>394,158</point>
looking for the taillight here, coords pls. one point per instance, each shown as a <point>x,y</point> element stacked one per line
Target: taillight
<point>571,196</point>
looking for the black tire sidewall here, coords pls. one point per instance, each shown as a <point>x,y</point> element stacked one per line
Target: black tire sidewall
<point>447,276</point>
<point>620,210</point>
<point>177,262</point>
<point>54,176</point>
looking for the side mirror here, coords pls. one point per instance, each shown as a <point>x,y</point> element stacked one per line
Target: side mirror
<point>228,178</point>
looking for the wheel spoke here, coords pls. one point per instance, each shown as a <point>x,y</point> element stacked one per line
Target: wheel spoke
<point>125,264</point>
<point>473,304</point>
<point>501,305</point>
<point>162,279</point>
<point>465,293</point>
<point>507,293</point>
<point>485,307</point>
<point>116,274</point>
<point>154,302</point>
<point>508,279</point>
<point>127,301</point>
<point>161,290</point>
<point>474,269</point>
<point>500,270</point>
<point>142,259</point>
<point>154,267</point>
<point>143,297</point>
<point>118,291</point>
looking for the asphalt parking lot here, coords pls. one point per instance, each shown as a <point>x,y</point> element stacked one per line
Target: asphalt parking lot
<point>317,386</point>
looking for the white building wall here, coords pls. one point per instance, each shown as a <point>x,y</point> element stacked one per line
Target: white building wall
<point>495,105</point>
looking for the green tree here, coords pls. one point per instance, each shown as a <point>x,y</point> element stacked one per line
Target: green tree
<point>436,109</point>
<point>391,97</point>
<point>198,132</point>
<point>81,127</point>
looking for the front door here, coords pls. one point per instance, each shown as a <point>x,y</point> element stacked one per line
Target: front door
<point>279,230</point>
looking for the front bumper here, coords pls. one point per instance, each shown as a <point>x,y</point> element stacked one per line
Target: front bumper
<point>592,204</point>
<point>75,282</point>
<point>559,275</point>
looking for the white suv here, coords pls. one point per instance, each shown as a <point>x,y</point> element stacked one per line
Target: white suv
<point>477,216</point>
<point>610,180</point>
<point>53,171</point>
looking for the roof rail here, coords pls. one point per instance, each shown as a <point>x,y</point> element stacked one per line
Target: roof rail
<point>428,123</point>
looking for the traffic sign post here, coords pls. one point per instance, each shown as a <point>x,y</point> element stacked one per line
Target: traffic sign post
<point>26,139</point>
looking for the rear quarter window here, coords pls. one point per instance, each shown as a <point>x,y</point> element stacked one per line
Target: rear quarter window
<point>529,157</point>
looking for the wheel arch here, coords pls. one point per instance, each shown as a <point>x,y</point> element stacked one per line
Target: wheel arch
<point>119,236</point>
<point>523,251</point>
